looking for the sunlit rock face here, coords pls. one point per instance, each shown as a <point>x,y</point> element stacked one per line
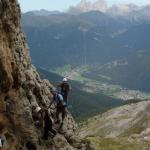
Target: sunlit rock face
<point>20,87</point>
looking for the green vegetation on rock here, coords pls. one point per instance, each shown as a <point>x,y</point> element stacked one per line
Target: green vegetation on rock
<point>118,144</point>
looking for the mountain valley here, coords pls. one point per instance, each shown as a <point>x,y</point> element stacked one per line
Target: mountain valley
<point>102,53</point>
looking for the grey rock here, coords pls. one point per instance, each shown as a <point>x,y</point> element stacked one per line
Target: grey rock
<point>21,86</point>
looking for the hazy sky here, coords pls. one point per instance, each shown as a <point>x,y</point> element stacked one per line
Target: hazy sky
<point>27,5</point>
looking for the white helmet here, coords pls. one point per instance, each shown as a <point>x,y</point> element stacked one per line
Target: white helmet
<point>38,109</point>
<point>65,79</point>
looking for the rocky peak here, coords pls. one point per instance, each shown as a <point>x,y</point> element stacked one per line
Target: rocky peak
<point>21,86</point>
<point>86,6</point>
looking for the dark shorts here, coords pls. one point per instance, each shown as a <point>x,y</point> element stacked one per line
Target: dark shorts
<point>62,109</point>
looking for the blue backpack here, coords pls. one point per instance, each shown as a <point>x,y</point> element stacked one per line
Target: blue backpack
<point>58,98</point>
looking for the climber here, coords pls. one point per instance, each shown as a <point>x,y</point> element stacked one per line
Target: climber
<point>60,106</point>
<point>44,121</point>
<point>65,88</point>
<point>35,117</point>
<point>1,139</point>
<point>1,145</point>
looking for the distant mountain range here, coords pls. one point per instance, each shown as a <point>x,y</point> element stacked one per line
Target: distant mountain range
<point>86,6</point>
<point>42,12</point>
<point>129,11</point>
<point>93,36</point>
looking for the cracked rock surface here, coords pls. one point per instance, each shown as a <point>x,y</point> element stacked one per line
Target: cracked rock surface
<point>20,87</point>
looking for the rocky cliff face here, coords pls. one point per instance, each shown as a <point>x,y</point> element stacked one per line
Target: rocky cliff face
<point>20,86</point>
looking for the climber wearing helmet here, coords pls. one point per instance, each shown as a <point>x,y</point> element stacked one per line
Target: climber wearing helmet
<point>65,88</point>
<point>60,106</point>
<point>65,80</point>
<point>44,121</point>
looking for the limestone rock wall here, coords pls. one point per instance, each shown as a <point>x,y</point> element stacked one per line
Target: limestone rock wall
<point>20,86</point>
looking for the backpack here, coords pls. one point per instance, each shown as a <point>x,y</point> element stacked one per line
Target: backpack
<point>65,87</point>
<point>59,100</point>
